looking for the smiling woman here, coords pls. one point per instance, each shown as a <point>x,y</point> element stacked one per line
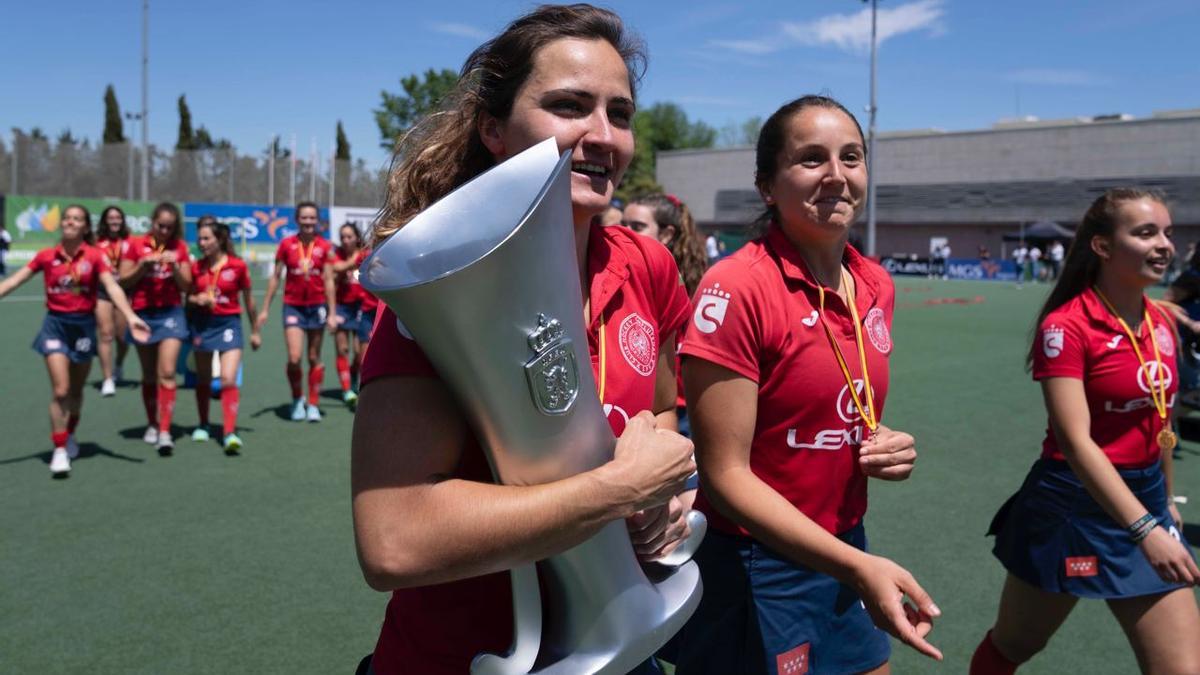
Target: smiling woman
<point>419,477</point>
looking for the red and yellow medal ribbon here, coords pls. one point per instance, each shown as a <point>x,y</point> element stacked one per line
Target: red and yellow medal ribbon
<point>306,255</point>
<point>216,270</point>
<point>77,287</point>
<point>866,411</point>
<point>1166,438</point>
<point>603,372</point>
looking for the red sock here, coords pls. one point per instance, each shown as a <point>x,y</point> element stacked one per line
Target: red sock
<point>294,374</point>
<point>229,409</point>
<point>72,422</point>
<point>989,661</point>
<point>316,374</point>
<point>166,407</point>
<point>203,395</point>
<point>149,400</point>
<point>343,370</point>
<point>59,439</point>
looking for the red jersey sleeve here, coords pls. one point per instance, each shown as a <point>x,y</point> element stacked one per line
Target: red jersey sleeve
<point>132,251</point>
<point>38,263</point>
<point>1061,348</point>
<point>726,320</point>
<point>280,251</point>
<point>391,354</point>
<point>669,291</point>
<point>243,276</point>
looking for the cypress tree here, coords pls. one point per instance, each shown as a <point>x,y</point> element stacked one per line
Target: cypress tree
<point>114,130</point>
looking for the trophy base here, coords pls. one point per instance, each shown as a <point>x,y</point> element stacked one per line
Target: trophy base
<point>678,595</point>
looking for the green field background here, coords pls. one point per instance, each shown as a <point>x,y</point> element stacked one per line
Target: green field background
<point>200,563</point>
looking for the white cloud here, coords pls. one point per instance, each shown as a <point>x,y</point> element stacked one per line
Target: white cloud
<point>849,32</point>
<point>459,30</point>
<point>1063,77</point>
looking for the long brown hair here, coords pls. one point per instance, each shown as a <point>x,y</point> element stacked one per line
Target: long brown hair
<point>104,233</point>
<point>444,150</point>
<point>168,207</point>
<point>220,231</point>
<point>687,245</point>
<point>1081,266</point>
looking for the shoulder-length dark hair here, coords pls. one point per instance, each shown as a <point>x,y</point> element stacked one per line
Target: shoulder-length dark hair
<point>102,225</point>
<point>444,150</point>
<point>220,231</point>
<point>171,209</point>
<point>687,246</point>
<point>1082,265</point>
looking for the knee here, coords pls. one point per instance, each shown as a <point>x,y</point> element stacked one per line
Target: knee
<point>166,378</point>
<point>60,393</point>
<point>293,363</point>
<point>106,333</point>
<point>1020,646</point>
<point>228,382</point>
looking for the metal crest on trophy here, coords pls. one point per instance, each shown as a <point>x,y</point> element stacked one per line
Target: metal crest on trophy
<point>486,281</point>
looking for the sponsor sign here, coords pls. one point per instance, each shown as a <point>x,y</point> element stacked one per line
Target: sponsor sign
<point>362,216</point>
<point>905,266</point>
<point>974,268</point>
<point>33,221</point>
<point>258,224</point>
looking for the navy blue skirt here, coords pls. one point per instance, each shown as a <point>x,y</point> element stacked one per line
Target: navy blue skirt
<point>347,316</point>
<point>366,324</point>
<point>70,333</point>
<point>215,332</point>
<point>307,317</point>
<point>1053,535</point>
<point>762,613</point>
<point>165,323</point>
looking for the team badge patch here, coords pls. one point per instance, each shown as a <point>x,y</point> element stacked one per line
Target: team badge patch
<point>227,275</point>
<point>877,330</point>
<point>793,661</point>
<point>1082,566</point>
<point>1052,341</point>
<point>710,309</point>
<point>1162,337</point>
<point>638,345</point>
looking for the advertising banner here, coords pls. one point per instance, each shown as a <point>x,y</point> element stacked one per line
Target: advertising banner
<point>33,220</point>
<point>361,216</point>
<point>905,266</point>
<point>261,225</point>
<point>974,268</point>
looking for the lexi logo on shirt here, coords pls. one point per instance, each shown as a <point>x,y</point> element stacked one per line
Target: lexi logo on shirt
<point>710,309</point>
<point>1160,376</point>
<point>846,409</point>
<point>638,346</point>
<point>1052,341</point>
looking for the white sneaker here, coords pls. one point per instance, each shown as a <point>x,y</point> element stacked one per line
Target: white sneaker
<point>151,435</point>
<point>60,465</point>
<point>298,410</point>
<point>200,434</point>
<point>314,414</point>
<point>108,388</point>
<point>166,445</point>
<point>72,447</point>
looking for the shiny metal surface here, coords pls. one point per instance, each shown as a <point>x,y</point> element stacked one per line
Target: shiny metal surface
<point>485,280</point>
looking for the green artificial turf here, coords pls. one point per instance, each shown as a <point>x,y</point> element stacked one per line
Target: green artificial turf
<point>202,563</point>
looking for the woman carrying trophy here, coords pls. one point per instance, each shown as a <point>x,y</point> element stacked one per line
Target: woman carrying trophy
<point>431,524</point>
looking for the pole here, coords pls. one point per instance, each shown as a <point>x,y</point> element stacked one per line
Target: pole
<point>271,171</point>
<point>312,171</point>
<point>292,176</point>
<point>145,100</point>
<point>129,142</point>
<point>16,163</point>
<point>332,173</point>
<point>871,143</point>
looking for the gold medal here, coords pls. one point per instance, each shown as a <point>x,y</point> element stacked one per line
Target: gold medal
<point>1166,440</point>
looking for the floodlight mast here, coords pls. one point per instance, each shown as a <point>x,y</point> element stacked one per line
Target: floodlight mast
<point>871,110</point>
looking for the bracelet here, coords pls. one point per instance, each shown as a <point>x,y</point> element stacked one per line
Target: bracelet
<point>1142,527</point>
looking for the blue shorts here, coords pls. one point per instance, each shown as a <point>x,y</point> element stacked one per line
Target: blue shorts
<point>348,317</point>
<point>762,613</point>
<point>1053,535</point>
<point>215,332</point>
<point>366,324</point>
<point>164,322</point>
<point>70,333</point>
<point>308,317</point>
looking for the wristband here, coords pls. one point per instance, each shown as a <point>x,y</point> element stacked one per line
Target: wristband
<point>1141,528</point>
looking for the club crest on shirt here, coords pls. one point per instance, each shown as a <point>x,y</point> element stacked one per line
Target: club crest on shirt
<point>1052,341</point>
<point>1162,337</point>
<point>227,275</point>
<point>1160,376</point>
<point>638,345</point>
<point>710,309</point>
<point>85,267</point>
<point>877,330</point>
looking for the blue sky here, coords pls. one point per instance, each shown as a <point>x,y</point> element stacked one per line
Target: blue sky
<point>254,68</point>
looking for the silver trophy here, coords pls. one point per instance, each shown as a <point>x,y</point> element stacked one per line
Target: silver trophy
<point>486,281</point>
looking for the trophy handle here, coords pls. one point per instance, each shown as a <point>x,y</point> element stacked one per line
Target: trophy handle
<point>684,552</point>
<point>527,628</point>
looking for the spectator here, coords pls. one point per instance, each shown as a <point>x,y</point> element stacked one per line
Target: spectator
<point>1021,258</point>
<point>1056,254</point>
<point>1035,263</point>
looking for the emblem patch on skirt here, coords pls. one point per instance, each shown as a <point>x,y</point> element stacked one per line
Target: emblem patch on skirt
<point>1083,566</point>
<point>793,661</point>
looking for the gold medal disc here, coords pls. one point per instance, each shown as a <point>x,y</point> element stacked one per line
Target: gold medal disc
<point>1166,440</point>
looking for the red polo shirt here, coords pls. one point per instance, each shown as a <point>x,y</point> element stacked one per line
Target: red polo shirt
<point>156,289</point>
<point>232,278</point>
<point>349,291</point>
<point>755,313</point>
<point>636,295</point>
<point>304,285</point>
<point>113,249</point>
<point>1082,340</point>
<point>71,281</point>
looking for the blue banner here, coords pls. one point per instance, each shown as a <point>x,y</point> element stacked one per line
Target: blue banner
<point>974,268</point>
<point>261,224</point>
